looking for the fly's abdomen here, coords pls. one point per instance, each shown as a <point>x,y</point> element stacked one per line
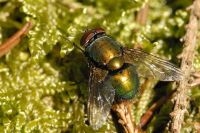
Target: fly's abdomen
<point>106,52</point>
<point>125,82</point>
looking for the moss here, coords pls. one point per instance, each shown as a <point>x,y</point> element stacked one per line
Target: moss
<point>43,81</point>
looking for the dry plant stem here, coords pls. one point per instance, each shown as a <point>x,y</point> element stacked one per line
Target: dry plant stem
<point>195,82</point>
<point>123,110</point>
<point>181,96</point>
<point>6,46</point>
<point>196,126</point>
<point>141,19</point>
<point>149,113</point>
<point>143,14</point>
<point>196,79</point>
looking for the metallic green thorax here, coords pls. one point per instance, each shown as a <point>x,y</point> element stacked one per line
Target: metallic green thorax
<point>125,81</point>
<point>106,52</point>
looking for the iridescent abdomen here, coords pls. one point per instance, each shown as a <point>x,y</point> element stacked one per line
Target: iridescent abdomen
<point>125,82</point>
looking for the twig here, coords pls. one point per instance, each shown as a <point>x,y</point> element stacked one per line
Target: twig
<point>181,96</point>
<point>149,113</point>
<point>123,110</point>
<point>6,46</point>
<point>143,14</point>
<point>197,126</point>
<point>196,79</point>
<point>141,18</point>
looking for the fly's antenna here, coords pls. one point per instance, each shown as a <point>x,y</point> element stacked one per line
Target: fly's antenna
<point>74,44</point>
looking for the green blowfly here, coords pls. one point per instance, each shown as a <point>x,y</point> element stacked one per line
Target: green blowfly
<point>115,71</point>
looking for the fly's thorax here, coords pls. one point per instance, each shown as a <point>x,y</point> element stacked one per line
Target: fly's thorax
<point>125,82</point>
<point>115,63</point>
<point>105,52</point>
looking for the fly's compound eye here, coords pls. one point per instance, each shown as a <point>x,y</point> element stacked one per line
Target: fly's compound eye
<point>90,34</point>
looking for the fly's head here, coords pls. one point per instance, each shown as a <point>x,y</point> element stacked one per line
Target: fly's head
<point>90,35</point>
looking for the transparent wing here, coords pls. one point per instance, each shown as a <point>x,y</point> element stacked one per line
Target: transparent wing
<point>101,97</point>
<point>150,65</point>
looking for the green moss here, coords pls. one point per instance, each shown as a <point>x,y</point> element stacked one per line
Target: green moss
<point>43,81</point>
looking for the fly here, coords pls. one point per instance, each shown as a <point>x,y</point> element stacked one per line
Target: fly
<point>115,72</point>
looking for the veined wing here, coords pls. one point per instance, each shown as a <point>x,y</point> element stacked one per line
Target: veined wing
<point>101,97</point>
<point>150,65</point>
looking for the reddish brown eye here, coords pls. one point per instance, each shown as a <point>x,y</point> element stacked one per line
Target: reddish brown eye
<point>89,34</point>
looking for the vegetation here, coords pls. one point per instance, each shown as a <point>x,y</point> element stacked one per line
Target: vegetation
<point>44,79</point>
